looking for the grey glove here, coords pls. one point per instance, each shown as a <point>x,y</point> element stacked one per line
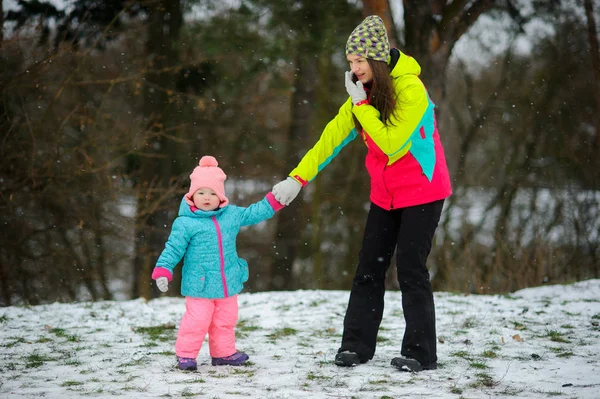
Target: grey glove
<point>285,191</point>
<point>355,90</point>
<point>162,283</point>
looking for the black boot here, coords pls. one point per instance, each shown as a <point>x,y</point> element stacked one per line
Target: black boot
<point>347,359</point>
<point>412,365</point>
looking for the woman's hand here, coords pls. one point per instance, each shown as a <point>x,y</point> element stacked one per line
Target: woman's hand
<point>355,90</point>
<point>285,191</point>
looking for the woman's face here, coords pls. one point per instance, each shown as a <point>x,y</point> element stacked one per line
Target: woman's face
<point>360,67</point>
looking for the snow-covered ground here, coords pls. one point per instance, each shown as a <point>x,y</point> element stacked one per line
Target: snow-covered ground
<point>535,343</point>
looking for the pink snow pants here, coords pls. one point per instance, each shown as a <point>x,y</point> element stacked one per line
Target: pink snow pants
<point>217,317</point>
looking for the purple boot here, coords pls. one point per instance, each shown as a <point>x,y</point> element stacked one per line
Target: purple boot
<point>186,363</point>
<point>237,359</point>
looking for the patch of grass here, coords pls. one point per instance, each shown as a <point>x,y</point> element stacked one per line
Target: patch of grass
<point>326,333</point>
<point>166,353</point>
<point>478,365</point>
<point>556,336</point>
<point>571,313</point>
<point>73,363</point>
<point>163,332</point>
<point>382,339</point>
<point>248,372</point>
<point>43,340</point>
<point>596,316</point>
<point>71,383</point>
<point>483,379</point>
<point>283,308</point>
<point>282,332</point>
<point>545,301</point>
<point>87,371</point>
<point>196,380</point>
<point>3,318</point>
<point>489,354</point>
<point>186,393</point>
<point>456,390</point>
<point>550,393</point>
<point>470,322</point>
<point>16,341</point>
<point>567,326</point>
<point>508,391</point>
<point>316,303</point>
<point>566,354</point>
<point>463,354</point>
<point>35,360</point>
<point>242,330</point>
<point>493,346</point>
<point>379,382</point>
<point>518,326</point>
<point>10,366</point>
<point>136,362</point>
<point>317,377</point>
<point>62,333</point>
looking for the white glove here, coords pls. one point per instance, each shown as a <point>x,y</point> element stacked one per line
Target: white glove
<point>285,191</point>
<point>355,90</point>
<point>162,283</point>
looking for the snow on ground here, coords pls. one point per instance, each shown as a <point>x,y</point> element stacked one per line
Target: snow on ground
<point>535,343</point>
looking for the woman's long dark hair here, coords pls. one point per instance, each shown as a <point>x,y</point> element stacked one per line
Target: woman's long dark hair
<point>382,94</point>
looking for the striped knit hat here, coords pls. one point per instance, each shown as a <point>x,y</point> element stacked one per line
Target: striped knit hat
<point>369,40</point>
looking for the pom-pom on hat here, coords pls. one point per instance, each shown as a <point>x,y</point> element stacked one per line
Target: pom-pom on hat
<point>208,174</point>
<point>369,40</point>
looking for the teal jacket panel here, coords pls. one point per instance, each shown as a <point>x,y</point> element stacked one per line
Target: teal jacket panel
<point>206,240</point>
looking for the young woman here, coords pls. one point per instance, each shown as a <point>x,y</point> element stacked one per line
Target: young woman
<point>390,110</point>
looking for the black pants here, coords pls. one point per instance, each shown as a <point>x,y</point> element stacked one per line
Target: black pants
<point>409,230</point>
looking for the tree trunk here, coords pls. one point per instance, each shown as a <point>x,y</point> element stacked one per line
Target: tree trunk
<point>383,10</point>
<point>432,30</point>
<point>156,166</point>
<point>595,55</point>
<point>1,22</point>
<point>288,230</point>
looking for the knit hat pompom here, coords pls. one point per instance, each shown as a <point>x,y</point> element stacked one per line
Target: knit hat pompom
<point>369,40</point>
<point>207,160</point>
<point>207,175</point>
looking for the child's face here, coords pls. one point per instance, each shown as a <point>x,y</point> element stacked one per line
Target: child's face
<point>206,199</point>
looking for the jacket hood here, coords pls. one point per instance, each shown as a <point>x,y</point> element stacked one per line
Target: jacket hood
<point>185,210</point>
<point>402,64</point>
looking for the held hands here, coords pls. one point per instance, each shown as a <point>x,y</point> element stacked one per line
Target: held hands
<point>355,90</point>
<point>162,283</point>
<point>285,191</point>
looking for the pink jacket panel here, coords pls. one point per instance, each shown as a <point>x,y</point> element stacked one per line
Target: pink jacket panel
<point>403,183</point>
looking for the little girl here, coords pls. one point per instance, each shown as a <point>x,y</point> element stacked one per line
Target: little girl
<point>204,235</point>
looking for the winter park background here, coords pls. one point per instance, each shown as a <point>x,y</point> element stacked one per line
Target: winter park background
<point>106,107</point>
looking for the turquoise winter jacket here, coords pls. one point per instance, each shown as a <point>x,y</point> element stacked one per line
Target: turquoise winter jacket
<point>206,240</point>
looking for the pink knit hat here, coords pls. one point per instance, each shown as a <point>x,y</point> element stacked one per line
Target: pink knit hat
<point>208,174</point>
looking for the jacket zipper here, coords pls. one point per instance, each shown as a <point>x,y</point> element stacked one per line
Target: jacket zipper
<point>222,258</point>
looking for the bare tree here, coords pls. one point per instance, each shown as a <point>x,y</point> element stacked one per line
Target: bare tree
<point>595,58</point>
